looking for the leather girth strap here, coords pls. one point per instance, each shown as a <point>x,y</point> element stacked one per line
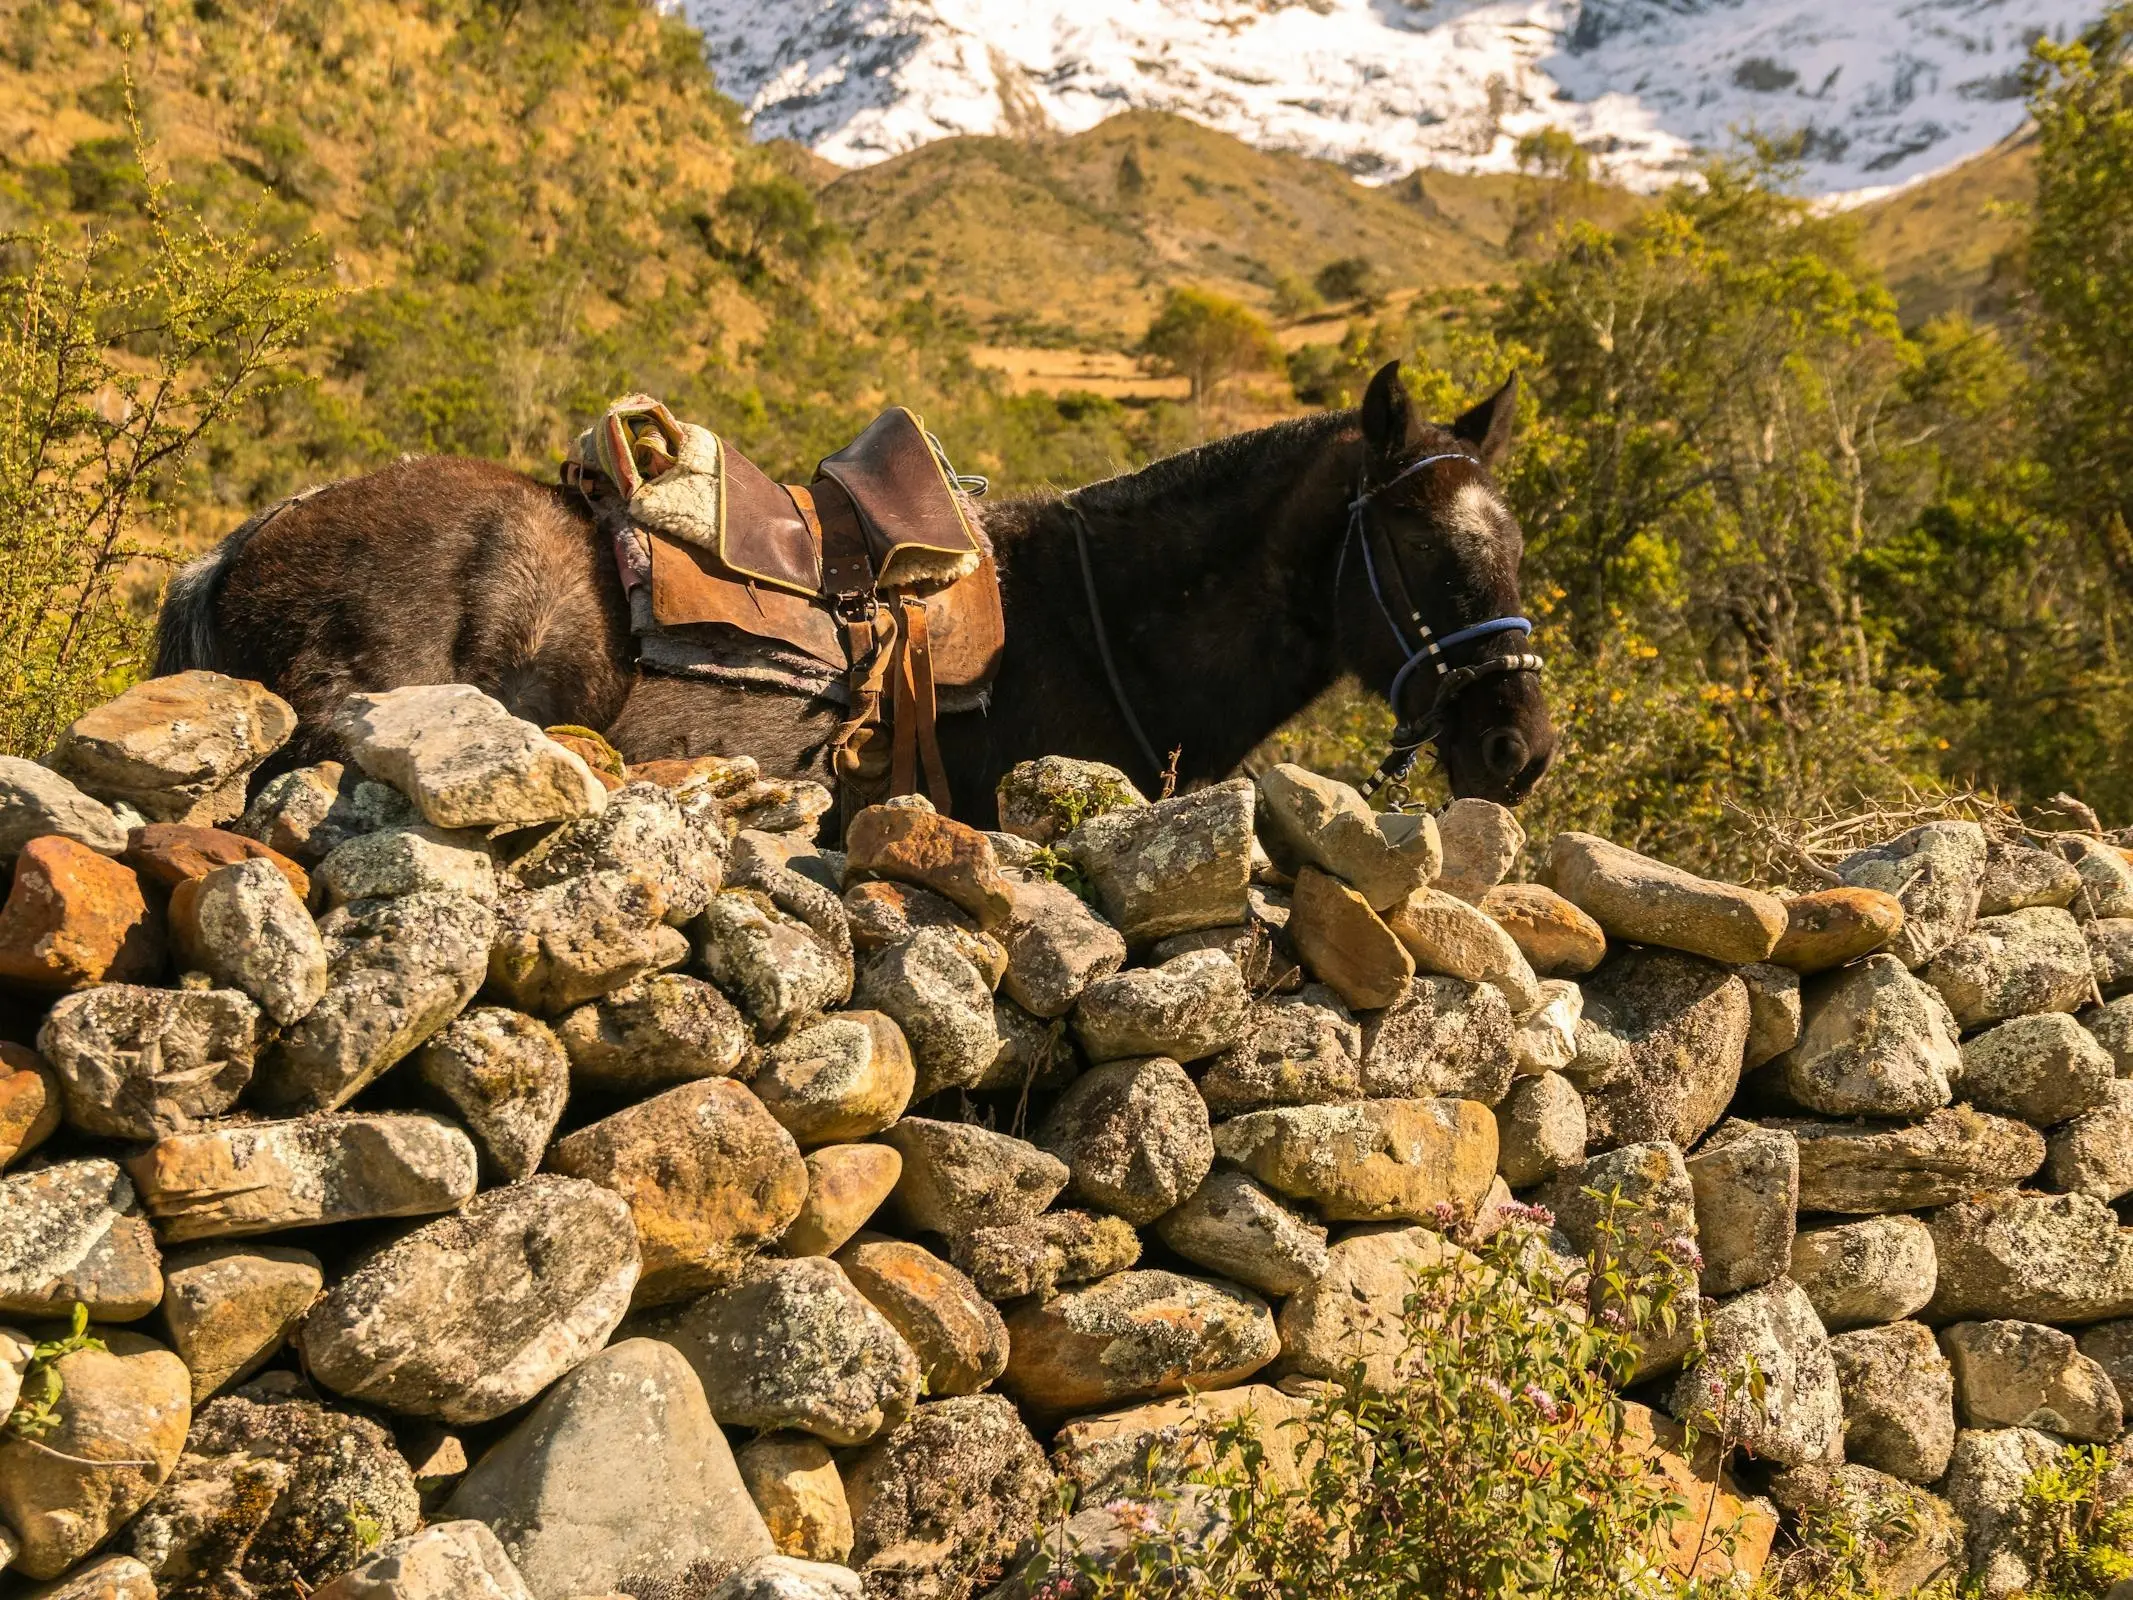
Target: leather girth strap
<point>889,650</point>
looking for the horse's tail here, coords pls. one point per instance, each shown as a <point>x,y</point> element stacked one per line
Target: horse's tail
<point>186,638</point>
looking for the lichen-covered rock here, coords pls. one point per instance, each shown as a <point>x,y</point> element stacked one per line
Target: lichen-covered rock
<point>1647,902</point>
<point>414,859</point>
<point>244,926</point>
<point>256,1177</point>
<point>2110,1346</point>
<point>620,1479</point>
<point>2092,1153</point>
<point>176,749</point>
<point>1872,1167</point>
<point>1134,1135</point>
<point>463,759</point>
<point>1879,1269</point>
<point>1540,1130</point>
<point>841,1078</point>
<point>1039,1254</point>
<point>1445,1036</point>
<point>1190,1007</point>
<point>942,1002</point>
<point>793,1344</point>
<point>397,971</point>
<point>1384,856</point>
<point>105,1578</point>
<point>1136,1335</point>
<point>228,1308</point>
<point>36,802</point>
<point>846,1185</point>
<point>30,1098</point>
<point>1046,799</point>
<point>1906,1538</point>
<point>311,812</point>
<point>1988,1482</point>
<point>1232,1226</point>
<point>1146,1449</point>
<point>2043,1069</point>
<point>473,1315</point>
<point>275,1494</point>
<point>1171,867</point>
<point>940,1504</point>
<point>2112,1025</point>
<point>576,940</point>
<point>1874,1041</point>
<point>2008,966</point>
<point>504,1075</point>
<point>772,965</point>
<point>1747,1185</point>
<point>1372,1161</point>
<point>917,847</point>
<point>649,1035</point>
<point>709,1175</point>
<point>2110,942</point>
<point>2018,876</point>
<point>1684,1022</point>
<point>1345,944</point>
<point>1449,936</point>
<point>137,1063</point>
<point>958,1178</point>
<point>1033,1053</point>
<point>1355,1309</point>
<point>2106,877</point>
<point>1557,939</point>
<point>1295,1050</point>
<point>445,1561</point>
<point>167,854</point>
<point>1774,1013</point>
<point>1935,871</point>
<point>1482,844</point>
<point>958,1337</point>
<point>2023,1375</point>
<point>795,1485</point>
<point>1899,1399</point>
<point>1056,947</point>
<point>73,918</point>
<point>72,1232</point>
<point>2035,1258</point>
<point>880,913</point>
<point>1770,1340</point>
<point>1834,926</point>
<point>645,829</point>
<point>1547,1035</point>
<point>117,1437</point>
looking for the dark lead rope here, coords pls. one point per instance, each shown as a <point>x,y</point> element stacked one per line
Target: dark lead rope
<point>1408,738</point>
<point>1103,640</point>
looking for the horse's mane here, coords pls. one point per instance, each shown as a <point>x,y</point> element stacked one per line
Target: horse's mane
<point>1201,480</point>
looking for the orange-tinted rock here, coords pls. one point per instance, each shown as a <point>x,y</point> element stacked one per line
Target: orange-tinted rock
<point>1719,1531</point>
<point>596,754</point>
<point>722,775</point>
<point>1347,945</point>
<point>75,918</point>
<point>1558,939</point>
<point>882,913</point>
<point>169,853</point>
<point>29,1101</point>
<point>934,852</point>
<point>1832,926</point>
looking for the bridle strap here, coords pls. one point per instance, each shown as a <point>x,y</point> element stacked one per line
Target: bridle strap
<point>1103,637</point>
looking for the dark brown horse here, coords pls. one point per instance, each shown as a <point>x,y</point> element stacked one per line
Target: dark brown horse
<point>1228,580</point>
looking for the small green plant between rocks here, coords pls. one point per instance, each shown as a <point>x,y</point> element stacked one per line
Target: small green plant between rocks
<point>36,1410</point>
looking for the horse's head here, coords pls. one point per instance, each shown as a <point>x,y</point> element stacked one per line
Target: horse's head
<point>1441,550</point>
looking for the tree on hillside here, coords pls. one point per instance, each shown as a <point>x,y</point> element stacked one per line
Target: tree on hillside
<point>2081,272</point>
<point>1205,338</point>
<point>1347,278</point>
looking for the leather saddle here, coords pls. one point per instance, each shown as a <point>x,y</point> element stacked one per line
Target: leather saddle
<point>873,570</point>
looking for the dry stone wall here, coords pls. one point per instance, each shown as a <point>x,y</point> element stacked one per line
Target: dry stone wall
<point>488,1171</point>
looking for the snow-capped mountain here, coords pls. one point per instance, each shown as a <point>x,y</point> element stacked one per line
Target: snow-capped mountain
<point>1887,90</point>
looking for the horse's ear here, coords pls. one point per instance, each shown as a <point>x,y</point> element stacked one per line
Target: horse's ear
<point>1387,414</point>
<point>1488,426</point>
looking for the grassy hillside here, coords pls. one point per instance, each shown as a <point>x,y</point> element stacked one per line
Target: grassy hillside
<point>1946,244</point>
<point>1071,242</point>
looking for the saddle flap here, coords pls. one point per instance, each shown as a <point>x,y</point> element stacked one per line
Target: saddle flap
<point>915,528</point>
<point>763,534</point>
<point>967,629</point>
<point>691,588</point>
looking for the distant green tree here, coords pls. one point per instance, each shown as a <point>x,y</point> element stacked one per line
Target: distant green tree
<point>769,223</point>
<point>1205,338</point>
<point>1347,278</point>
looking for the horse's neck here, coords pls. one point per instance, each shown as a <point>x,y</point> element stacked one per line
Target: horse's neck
<point>1214,574</point>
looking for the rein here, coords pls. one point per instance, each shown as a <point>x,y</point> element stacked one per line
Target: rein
<point>1410,736</point>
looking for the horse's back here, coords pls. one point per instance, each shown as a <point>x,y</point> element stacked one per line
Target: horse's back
<point>431,570</point>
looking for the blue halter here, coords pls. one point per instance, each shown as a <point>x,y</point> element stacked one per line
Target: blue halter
<point>1408,738</point>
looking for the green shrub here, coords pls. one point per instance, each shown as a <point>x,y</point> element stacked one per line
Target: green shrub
<point>1206,337</point>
